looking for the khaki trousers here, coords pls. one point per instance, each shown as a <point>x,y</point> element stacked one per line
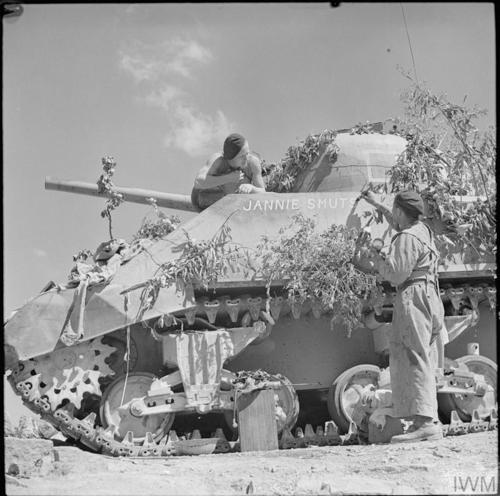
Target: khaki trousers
<point>418,315</point>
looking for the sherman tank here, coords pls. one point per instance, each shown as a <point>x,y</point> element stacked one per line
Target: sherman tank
<point>120,376</point>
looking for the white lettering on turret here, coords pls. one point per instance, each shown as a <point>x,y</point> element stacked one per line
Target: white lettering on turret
<point>268,204</point>
<point>294,204</point>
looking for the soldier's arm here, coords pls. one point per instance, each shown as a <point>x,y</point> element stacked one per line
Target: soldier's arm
<point>386,212</point>
<point>257,179</point>
<point>205,180</point>
<point>400,262</point>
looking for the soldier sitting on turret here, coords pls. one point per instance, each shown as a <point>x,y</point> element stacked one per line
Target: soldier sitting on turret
<point>236,170</point>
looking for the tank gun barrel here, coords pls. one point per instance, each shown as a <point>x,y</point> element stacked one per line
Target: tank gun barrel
<point>134,195</point>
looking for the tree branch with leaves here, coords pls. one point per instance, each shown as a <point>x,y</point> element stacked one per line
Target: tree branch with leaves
<point>448,156</point>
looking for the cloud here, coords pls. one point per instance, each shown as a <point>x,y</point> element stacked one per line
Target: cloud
<point>39,252</point>
<point>147,62</point>
<point>161,71</point>
<point>165,97</point>
<point>196,133</point>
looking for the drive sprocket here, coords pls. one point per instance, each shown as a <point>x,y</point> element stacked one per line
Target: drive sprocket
<point>64,374</point>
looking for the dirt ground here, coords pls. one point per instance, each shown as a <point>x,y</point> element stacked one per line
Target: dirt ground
<point>465,464</point>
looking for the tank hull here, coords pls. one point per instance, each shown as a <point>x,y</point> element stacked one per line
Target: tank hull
<point>308,352</point>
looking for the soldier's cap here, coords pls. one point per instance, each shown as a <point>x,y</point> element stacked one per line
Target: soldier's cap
<point>233,145</point>
<point>411,202</point>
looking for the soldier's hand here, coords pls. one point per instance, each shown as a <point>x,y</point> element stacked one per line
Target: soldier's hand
<point>364,238</point>
<point>236,175</point>
<point>246,188</point>
<point>363,262</point>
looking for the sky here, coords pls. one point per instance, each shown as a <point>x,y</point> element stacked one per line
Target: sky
<point>159,87</point>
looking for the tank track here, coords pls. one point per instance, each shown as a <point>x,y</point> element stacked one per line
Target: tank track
<point>102,440</point>
<point>253,308</point>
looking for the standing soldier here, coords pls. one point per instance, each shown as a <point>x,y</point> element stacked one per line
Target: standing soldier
<point>418,316</point>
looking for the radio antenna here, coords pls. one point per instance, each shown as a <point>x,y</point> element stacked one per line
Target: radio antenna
<point>409,43</point>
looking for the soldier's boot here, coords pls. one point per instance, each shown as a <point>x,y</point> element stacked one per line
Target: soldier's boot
<point>428,431</point>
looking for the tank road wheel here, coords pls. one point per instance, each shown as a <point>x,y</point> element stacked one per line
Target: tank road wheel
<point>465,404</point>
<point>288,402</point>
<point>445,401</point>
<point>115,409</point>
<point>287,405</point>
<point>342,396</point>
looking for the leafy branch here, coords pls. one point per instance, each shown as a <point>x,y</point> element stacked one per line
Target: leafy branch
<point>448,156</point>
<point>149,229</point>
<point>105,186</point>
<point>158,228</point>
<point>366,128</point>
<point>201,263</point>
<point>281,177</point>
<point>318,265</point>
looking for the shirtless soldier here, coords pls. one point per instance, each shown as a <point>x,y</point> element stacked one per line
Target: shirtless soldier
<point>236,170</point>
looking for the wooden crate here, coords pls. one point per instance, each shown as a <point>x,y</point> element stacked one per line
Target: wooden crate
<point>257,421</point>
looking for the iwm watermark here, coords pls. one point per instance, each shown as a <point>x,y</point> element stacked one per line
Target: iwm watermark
<point>477,484</point>
<point>295,204</point>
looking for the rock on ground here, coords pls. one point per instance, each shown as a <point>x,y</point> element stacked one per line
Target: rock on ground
<point>46,430</point>
<point>27,428</point>
<point>28,457</point>
<point>9,428</point>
